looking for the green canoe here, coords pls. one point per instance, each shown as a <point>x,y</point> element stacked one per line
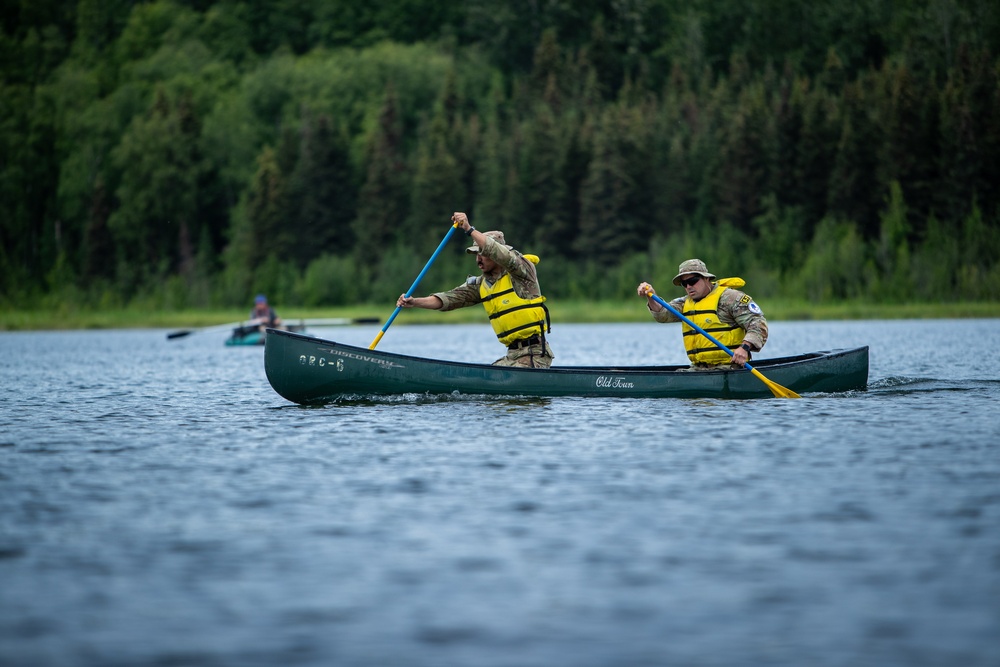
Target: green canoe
<point>307,370</point>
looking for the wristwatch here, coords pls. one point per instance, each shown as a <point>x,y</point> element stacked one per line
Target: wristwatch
<point>746,346</point>
<point>468,232</point>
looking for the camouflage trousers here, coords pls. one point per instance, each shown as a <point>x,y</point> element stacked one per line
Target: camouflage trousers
<point>533,356</point>
<point>713,367</point>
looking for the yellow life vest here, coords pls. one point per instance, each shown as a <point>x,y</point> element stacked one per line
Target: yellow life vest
<point>512,317</point>
<point>705,313</point>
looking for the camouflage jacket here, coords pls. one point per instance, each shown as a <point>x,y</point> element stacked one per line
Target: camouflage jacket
<point>522,274</point>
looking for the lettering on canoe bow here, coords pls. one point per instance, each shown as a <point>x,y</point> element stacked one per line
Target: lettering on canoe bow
<point>613,383</point>
<point>313,360</point>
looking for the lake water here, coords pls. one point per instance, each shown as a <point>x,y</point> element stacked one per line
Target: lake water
<point>161,505</point>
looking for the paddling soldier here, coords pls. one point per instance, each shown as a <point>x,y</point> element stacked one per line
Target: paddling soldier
<point>729,315</point>
<point>508,289</point>
<point>264,313</point>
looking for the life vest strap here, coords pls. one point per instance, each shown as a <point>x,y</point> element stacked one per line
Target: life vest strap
<point>514,309</point>
<point>711,330</point>
<point>530,325</point>
<point>497,294</point>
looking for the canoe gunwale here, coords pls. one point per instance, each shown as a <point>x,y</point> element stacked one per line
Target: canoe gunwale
<point>759,364</point>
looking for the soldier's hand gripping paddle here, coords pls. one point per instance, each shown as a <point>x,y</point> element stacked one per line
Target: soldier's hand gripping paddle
<point>776,389</point>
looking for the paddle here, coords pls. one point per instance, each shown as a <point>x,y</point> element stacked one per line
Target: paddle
<point>416,282</point>
<point>776,389</point>
<point>338,321</point>
<point>320,322</point>
<point>222,327</point>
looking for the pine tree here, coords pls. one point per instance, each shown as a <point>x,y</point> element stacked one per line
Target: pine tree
<point>970,129</point>
<point>438,187</point>
<point>547,227</point>
<point>814,155</point>
<point>608,230</point>
<point>490,164</point>
<point>382,204</point>
<point>911,145</point>
<point>158,190</point>
<point>746,155</point>
<point>854,193</point>
<point>268,235</point>
<point>323,190</point>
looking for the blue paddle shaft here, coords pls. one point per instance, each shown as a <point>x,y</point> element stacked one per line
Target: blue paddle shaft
<point>696,327</point>
<point>420,276</point>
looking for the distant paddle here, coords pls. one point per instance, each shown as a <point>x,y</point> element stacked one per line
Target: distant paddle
<point>339,321</point>
<point>413,287</point>
<point>320,322</point>
<point>221,327</point>
<point>776,389</point>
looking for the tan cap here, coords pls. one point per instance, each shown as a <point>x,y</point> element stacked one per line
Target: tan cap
<point>496,236</point>
<point>692,266</point>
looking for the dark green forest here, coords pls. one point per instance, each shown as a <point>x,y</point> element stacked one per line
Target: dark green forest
<point>187,154</point>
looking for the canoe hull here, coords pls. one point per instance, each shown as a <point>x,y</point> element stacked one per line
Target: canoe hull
<point>309,370</point>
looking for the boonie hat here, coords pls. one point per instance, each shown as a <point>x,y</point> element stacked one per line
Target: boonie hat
<point>692,266</point>
<point>496,236</point>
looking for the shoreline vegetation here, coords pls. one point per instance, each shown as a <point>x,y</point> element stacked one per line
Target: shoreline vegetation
<point>187,155</point>
<point>562,312</point>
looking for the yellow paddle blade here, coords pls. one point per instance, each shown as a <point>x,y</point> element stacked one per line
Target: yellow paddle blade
<point>776,389</point>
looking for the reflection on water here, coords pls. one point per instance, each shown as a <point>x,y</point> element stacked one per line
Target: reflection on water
<point>160,504</point>
<point>428,399</point>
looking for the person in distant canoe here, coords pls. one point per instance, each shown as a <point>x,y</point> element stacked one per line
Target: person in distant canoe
<point>729,315</point>
<point>264,314</point>
<point>508,289</point>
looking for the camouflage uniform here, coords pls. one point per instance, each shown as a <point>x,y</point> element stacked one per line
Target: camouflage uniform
<point>525,281</point>
<point>735,307</point>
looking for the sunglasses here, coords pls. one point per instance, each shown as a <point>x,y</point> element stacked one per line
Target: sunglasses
<point>689,282</point>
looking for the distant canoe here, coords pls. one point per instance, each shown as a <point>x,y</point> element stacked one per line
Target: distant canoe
<point>308,370</point>
<point>251,334</point>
